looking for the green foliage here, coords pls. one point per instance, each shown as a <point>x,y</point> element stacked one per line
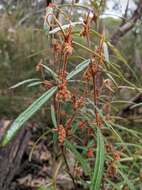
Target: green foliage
<point>79,157</point>
<point>23,117</point>
<point>83,115</point>
<point>99,164</point>
<point>17,44</point>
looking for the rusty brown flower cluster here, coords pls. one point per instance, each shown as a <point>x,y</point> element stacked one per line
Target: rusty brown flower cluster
<point>77,102</point>
<point>63,93</point>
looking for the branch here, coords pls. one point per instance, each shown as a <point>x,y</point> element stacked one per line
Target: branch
<point>48,2</point>
<point>126,12</point>
<point>127,109</point>
<point>127,26</point>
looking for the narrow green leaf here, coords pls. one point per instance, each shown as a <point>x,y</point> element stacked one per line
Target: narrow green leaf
<point>27,114</point>
<point>54,121</point>
<point>78,156</point>
<point>78,69</point>
<point>99,165</point>
<point>117,53</point>
<point>114,81</point>
<point>55,76</point>
<point>131,131</point>
<point>23,82</point>
<point>129,183</point>
<point>95,33</point>
<point>36,143</point>
<point>55,30</point>
<point>136,105</point>
<point>121,58</point>
<point>106,123</point>
<point>121,102</point>
<point>53,116</point>
<point>34,83</point>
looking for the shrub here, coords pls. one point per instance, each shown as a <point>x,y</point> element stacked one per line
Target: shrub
<point>83,109</point>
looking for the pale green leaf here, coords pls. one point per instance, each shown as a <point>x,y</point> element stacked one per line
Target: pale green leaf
<point>26,115</point>
<point>34,83</point>
<point>53,116</point>
<point>66,26</point>
<point>55,76</point>
<point>24,82</point>
<point>136,105</point>
<point>126,180</point>
<point>99,164</point>
<point>78,69</point>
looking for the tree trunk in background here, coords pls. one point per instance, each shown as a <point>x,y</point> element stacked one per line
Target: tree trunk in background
<point>10,158</point>
<point>122,30</point>
<point>128,25</point>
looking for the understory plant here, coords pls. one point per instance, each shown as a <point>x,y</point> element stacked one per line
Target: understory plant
<point>81,83</point>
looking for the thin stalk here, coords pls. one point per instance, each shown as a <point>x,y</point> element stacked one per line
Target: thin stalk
<point>131,159</point>
<point>87,49</point>
<point>68,168</point>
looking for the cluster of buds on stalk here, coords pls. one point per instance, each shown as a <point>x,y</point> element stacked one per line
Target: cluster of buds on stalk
<point>82,124</point>
<point>90,153</point>
<point>92,69</point>
<point>86,26</point>
<point>63,93</point>
<point>111,169</point>
<point>111,165</point>
<point>77,102</point>
<point>115,153</point>
<point>67,45</point>
<point>61,133</point>
<point>78,172</point>
<point>57,47</point>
